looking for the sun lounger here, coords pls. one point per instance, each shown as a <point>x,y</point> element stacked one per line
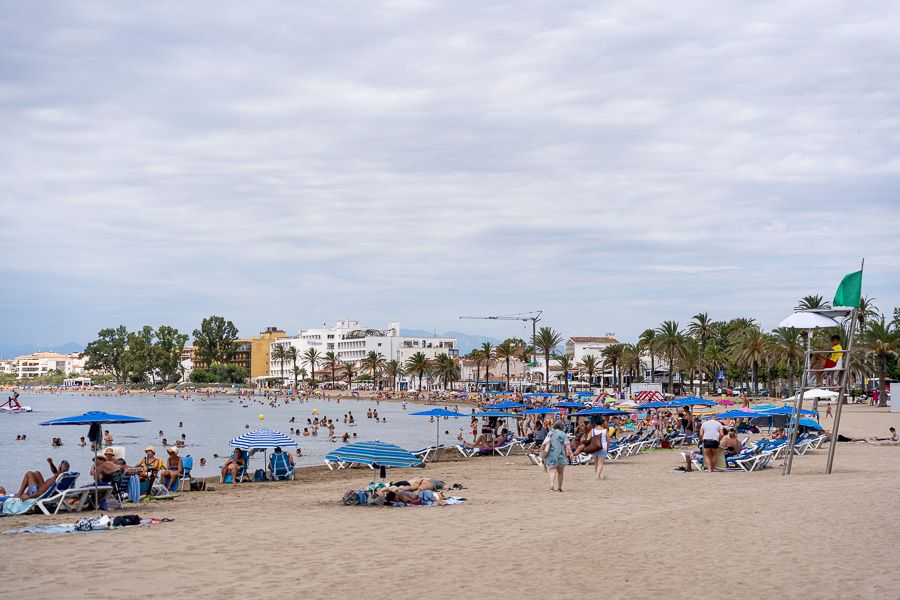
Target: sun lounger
<point>429,453</point>
<point>63,495</point>
<point>535,458</point>
<point>467,452</point>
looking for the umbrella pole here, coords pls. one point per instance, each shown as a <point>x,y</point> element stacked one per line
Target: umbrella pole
<point>437,444</point>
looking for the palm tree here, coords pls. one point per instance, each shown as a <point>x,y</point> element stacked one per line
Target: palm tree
<point>813,302</point>
<point>788,347</point>
<point>565,363</point>
<point>311,357</point>
<point>649,343</point>
<point>589,365</point>
<point>701,328</point>
<point>488,351</point>
<point>331,362</point>
<point>631,357</point>
<point>670,337</point>
<point>298,374</point>
<point>417,364</point>
<point>279,353</point>
<point>506,351</point>
<point>749,350</point>
<point>445,369</point>
<point>477,356</point>
<point>349,371</point>
<point>612,355</point>
<point>867,312</point>
<point>547,340</point>
<point>689,360</point>
<point>393,369</point>
<point>374,362</point>
<point>292,355</point>
<point>880,342</point>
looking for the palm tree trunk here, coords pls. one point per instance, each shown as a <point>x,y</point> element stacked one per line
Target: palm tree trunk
<point>652,367</point>
<point>547,369</point>
<point>882,367</point>
<point>507,373</point>
<point>671,369</point>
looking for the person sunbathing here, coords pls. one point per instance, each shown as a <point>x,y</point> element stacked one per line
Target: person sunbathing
<point>34,484</point>
<point>842,438</point>
<point>730,443</point>
<point>234,464</point>
<point>149,463</point>
<point>427,497</point>
<point>173,471</point>
<point>894,437</point>
<point>418,484</point>
<point>489,442</point>
<point>107,469</point>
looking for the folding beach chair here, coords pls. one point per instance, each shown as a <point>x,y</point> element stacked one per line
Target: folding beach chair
<point>280,467</point>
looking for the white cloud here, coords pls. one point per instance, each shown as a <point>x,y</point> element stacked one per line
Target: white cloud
<point>292,164</point>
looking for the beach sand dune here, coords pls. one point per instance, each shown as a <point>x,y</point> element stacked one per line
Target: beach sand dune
<point>645,532</point>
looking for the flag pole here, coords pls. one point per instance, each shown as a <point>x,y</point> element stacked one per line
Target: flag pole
<point>844,381</point>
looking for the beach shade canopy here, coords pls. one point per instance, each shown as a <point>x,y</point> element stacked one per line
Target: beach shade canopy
<point>541,410</point>
<point>506,405</point>
<point>726,402</point>
<point>374,453</point>
<point>600,411</point>
<point>656,404</point>
<point>262,438</point>
<point>738,414</point>
<point>810,424</point>
<point>808,320</point>
<point>816,393</point>
<point>540,395</point>
<point>95,417</point>
<point>764,407</point>
<point>784,411</point>
<point>437,412</point>
<point>693,401</point>
<point>569,405</point>
<point>585,394</point>
<point>492,413</point>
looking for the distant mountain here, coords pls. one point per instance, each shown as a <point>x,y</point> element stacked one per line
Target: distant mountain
<point>8,350</point>
<point>464,341</point>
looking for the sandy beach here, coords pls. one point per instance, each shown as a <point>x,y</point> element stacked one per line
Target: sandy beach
<point>645,532</point>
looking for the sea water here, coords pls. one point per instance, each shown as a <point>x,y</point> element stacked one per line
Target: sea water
<point>208,424</point>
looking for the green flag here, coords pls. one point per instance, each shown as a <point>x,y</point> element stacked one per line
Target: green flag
<point>849,291</point>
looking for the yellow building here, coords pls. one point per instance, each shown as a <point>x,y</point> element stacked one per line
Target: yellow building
<point>250,354</point>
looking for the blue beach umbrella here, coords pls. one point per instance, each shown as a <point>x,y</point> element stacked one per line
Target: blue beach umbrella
<point>657,404</point>
<point>569,405</point>
<point>437,412</point>
<point>262,438</point>
<point>506,405</point>
<point>811,424</point>
<point>492,414</point>
<point>541,410</point>
<point>693,401</point>
<point>738,414</point>
<point>374,454</point>
<point>585,394</point>
<point>94,419</point>
<point>601,411</point>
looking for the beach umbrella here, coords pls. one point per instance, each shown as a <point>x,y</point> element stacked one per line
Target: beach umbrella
<point>499,414</point>
<point>600,411</point>
<point>262,438</point>
<point>506,405</point>
<point>374,454</point>
<point>541,410</point>
<point>569,405</point>
<point>738,414</point>
<point>726,402</point>
<point>816,393</point>
<point>585,394</point>
<point>94,419</point>
<point>693,401</point>
<point>808,320</point>
<point>437,413</point>
<point>656,404</point>
<point>811,424</point>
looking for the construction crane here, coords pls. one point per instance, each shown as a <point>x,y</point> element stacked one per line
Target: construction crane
<point>534,318</point>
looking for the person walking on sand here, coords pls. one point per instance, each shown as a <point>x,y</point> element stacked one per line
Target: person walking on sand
<point>711,432</point>
<point>557,453</point>
<point>828,410</point>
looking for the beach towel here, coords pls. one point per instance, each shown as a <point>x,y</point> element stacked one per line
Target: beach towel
<point>87,525</point>
<point>17,506</point>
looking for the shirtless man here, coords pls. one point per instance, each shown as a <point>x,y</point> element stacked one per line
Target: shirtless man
<point>418,484</point>
<point>34,484</point>
<point>730,443</point>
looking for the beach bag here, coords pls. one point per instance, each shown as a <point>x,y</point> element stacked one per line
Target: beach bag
<point>594,444</point>
<point>545,448</point>
<point>351,498</point>
<point>126,521</point>
<point>259,475</point>
<point>198,485</point>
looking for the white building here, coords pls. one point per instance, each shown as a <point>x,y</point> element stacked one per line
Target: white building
<point>577,347</point>
<point>351,342</point>
<point>8,367</point>
<point>41,363</point>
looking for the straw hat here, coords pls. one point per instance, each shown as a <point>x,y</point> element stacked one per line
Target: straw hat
<point>109,451</point>
<point>150,449</point>
<point>173,450</point>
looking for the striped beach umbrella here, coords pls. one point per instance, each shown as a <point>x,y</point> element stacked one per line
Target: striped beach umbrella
<point>262,438</point>
<point>375,454</point>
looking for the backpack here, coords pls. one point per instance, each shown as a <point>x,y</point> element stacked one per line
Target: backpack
<point>259,475</point>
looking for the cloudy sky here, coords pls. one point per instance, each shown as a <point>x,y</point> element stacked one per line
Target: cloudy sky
<point>613,164</point>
